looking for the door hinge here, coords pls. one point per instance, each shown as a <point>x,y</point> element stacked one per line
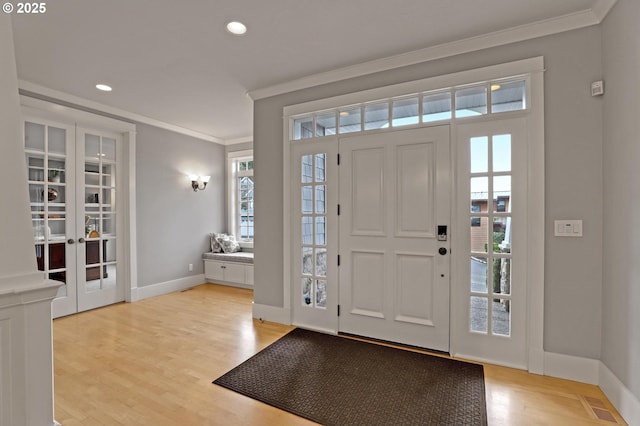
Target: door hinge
<point>338,260</point>
<point>338,310</point>
<point>338,209</point>
<point>338,159</point>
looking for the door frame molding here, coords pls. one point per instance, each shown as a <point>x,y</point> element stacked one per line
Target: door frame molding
<point>533,68</point>
<point>65,114</point>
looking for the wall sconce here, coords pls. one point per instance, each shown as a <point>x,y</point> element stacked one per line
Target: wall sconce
<point>199,183</point>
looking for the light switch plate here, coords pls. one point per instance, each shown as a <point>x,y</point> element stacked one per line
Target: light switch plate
<point>568,228</point>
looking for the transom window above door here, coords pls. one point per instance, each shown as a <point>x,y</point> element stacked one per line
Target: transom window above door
<point>492,97</point>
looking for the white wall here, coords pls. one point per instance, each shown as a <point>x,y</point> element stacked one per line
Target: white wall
<point>573,149</point>
<point>26,371</point>
<point>173,222</point>
<point>17,255</point>
<point>621,153</point>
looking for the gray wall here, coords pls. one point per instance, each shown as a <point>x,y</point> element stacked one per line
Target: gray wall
<point>621,283</point>
<point>573,149</point>
<point>173,222</point>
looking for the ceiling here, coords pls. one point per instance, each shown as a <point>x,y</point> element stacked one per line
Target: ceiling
<point>173,62</point>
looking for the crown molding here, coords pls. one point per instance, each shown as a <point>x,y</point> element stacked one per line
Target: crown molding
<point>239,140</point>
<point>41,92</point>
<point>498,38</point>
<point>601,8</point>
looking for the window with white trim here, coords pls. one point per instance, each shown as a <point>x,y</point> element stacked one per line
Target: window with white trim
<point>241,195</point>
<point>415,109</point>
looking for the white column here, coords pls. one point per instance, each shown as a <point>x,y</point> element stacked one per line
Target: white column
<point>26,368</point>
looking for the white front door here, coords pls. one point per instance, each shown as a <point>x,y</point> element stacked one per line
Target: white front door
<point>394,273</point>
<point>490,295</point>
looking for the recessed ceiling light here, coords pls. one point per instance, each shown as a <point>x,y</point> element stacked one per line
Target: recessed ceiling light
<point>495,87</point>
<point>103,87</point>
<point>236,27</point>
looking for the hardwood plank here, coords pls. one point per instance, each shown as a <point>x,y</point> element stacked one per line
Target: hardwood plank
<point>152,363</point>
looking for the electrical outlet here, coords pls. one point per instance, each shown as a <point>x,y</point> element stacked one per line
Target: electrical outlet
<point>191,267</point>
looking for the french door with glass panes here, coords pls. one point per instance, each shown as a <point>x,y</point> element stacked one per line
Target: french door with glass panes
<point>491,287</point>
<point>72,176</point>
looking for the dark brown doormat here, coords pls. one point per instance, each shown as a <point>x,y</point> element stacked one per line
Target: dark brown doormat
<point>334,380</point>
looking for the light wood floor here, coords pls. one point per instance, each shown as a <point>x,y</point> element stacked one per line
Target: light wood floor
<point>152,363</point>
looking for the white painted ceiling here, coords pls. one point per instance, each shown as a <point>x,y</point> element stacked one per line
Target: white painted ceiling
<point>173,61</point>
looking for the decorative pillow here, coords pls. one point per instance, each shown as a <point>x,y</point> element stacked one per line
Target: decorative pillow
<point>215,247</point>
<point>228,243</point>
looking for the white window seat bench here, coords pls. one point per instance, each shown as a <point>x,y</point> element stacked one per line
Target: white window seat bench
<point>234,269</point>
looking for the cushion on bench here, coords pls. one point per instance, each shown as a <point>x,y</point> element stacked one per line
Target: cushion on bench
<point>240,257</point>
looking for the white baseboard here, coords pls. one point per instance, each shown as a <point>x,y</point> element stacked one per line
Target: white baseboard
<point>620,396</point>
<point>230,284</point>
<point>569,367</point>
<point>159,289</point>
<point>272,313</point>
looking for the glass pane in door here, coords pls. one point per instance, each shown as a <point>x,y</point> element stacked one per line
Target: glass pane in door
<point>100,212</point>
<point>46,160</point>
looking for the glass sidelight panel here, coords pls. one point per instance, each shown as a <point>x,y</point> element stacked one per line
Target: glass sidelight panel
<point>321,167</point>
<point>307,199</point>
<point>479,308</point>
<point>321,293</point>
<point>307,261</point>
<point>479,274</point>
<point>313,209</point>
<point>501,317</point>
<point>321,203</point>
<point>307,168</point>
<point>307,290</point>
<point>479,154</point>
<point>479,234</point>
<point>321,262</point>
<point>307,230</point>
<point>502,276</point>
<point>490,236</point>
<point>501,234</point>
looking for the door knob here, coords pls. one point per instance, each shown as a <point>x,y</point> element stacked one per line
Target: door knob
<point>81,240</point>
<point>442,251</point>
<point>71,241</point>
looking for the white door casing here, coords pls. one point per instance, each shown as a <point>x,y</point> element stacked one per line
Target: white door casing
<point>394,192</point>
